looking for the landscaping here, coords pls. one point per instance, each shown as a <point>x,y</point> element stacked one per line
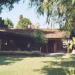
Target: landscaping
<point>48,65</point>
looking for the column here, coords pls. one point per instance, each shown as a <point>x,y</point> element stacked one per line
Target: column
<point>55,46</point>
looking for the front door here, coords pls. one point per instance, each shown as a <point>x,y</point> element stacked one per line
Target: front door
<point>51,46</point>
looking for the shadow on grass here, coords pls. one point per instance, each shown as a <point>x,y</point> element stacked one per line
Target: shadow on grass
<point>46,70</point>
<point>53,71</point>
<point>68,63</point>
<point>6,60</point>
<point>13,58</point>
<point>62,67</point>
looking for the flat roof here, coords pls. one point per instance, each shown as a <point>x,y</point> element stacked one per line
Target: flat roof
<point>48,33</point>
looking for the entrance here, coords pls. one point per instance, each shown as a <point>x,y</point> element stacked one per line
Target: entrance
<point>51,46</point>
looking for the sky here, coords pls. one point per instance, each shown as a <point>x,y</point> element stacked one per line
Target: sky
<point>23,9</point>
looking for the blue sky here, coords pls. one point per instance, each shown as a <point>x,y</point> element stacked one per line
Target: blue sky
<point>30,13</point>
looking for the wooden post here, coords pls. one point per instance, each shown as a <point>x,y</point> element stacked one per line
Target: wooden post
<point>47,48</point>
<point>55,46</point>
<point>40,50</point>
<point>0,44</point>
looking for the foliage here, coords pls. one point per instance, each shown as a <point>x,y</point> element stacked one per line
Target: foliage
<point>2,25</point>
<point>45,5</point>
<point>23,22</point>
<point>64,7</point>
<point>68,25</point>
<point>70,12</point>
<point>42,6</point>
<point>71,44</point>
<point>40,38</point>
<point>1,21</point>
<point>7,4</point>
<point>9,23</point>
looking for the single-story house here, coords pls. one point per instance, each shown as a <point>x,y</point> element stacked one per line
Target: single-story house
<point>24,39</point>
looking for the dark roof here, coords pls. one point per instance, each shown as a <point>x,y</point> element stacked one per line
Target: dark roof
<point>48,33</point>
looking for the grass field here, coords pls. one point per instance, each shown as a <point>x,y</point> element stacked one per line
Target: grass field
<point>53,65</point>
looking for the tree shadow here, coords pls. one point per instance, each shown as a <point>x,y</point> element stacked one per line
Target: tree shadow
<point>53,71</point>
<point>61,67</point>
<point>46,70</point>
<point>68,63</point>
<point>73,56</point>
<point>7,60</point>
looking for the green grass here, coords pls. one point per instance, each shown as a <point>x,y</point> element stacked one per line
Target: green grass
<point>53,65</point>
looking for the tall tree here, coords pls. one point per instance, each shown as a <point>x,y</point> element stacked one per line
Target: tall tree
<point>7,4</point>
<point>2,25</point>
<point>23,22</point>
<point>1,21</point>
<point>9,23</point>
<point>66,7</point>
<point>69,6</point>
<point>46,6</point>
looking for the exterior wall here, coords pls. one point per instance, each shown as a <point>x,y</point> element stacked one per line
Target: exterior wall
<point>18,45</point>
<point>59,46</point>
<point>54,45</point>
<point>51,47</point>
<point>9,41</point>
<point>18,42</point>
<point>0,44</point>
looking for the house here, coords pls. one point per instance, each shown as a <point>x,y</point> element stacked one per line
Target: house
<point>25,39</point>
<point>55,41</point>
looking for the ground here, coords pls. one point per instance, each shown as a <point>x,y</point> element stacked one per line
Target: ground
<point>48,65</point>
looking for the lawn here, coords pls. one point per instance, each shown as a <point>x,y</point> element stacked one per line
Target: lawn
<point>51,65</point>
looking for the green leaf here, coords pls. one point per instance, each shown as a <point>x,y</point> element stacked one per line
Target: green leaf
<point>73,2</point>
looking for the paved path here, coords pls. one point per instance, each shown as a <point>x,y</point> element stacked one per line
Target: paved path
<point>73,52</point>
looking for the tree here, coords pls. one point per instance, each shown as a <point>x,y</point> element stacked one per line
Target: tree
<point>2,25</point>
<point>1,21</point>
<point>40,38</point>
<point>23,22</point>
<point>70,14</point>
<point>7,4</point>
<point>9,23</point>
<point>66,7</point>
